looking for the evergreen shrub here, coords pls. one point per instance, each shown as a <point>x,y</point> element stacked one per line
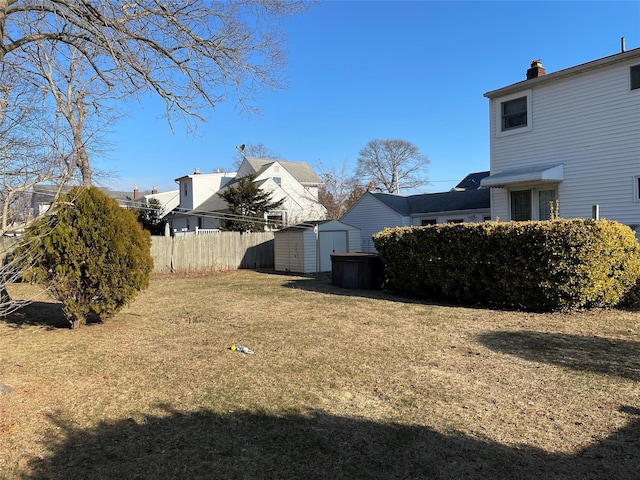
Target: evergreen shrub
<point>92,255</point>
<point>543,266</point>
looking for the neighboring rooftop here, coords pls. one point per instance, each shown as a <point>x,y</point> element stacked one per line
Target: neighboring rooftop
<point>471,181</point>
<point>301,171</point>
<point>436,202</point>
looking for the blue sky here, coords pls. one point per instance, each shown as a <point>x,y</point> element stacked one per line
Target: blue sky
<point>364,70</point>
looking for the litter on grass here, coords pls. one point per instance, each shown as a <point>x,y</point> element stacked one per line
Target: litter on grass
<point>236,347</point>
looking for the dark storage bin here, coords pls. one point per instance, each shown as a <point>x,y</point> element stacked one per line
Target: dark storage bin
<point>357,270</point>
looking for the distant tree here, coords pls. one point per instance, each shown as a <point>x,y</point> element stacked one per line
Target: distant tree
<point>29,140</point>
<point>150,217</point>
<point>338,191</point>
<point>257,150</point>
<point>193,54</point>
<point>91,254</point>
<point>357,192</point>
<point>247,205</point>
<point>392,165</point>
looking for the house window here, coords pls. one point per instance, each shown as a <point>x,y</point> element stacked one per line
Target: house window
<point>514,113</point>
<point>456,220</point>
<point>428,221</point>
<point>185,189</point>
<point>547,204</point>
<point>524,203</point>
<point>635,77</point>
<point>521,205</point>
<point>636,185</point>
<point>278,180</point>
<point>276,219</point>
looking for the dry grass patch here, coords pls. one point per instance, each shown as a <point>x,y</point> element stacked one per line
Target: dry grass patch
<point>343,383</point>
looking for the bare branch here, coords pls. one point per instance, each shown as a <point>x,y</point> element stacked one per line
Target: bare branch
<point>392,165</point>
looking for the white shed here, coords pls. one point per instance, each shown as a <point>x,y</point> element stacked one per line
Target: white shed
<point>307,247</point>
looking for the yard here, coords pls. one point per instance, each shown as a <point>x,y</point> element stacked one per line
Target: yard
<point>343,384</point>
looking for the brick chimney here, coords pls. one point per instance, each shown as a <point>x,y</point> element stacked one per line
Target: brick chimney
<point>136,193</point>
<point>536,70</point>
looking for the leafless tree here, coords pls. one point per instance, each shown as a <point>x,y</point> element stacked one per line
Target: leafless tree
<point>339,190</point>
<point>192,53</point>
<point>81,101</point>
<point>28,155</point>
<point>28,152</point>
<point>392,165</point>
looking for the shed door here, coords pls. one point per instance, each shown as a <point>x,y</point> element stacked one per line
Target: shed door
<point>331,242</point>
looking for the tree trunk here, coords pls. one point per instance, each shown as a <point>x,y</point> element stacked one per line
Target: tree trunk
<point>3,20</point>
<point>75,322</point>
<point>82,160</point>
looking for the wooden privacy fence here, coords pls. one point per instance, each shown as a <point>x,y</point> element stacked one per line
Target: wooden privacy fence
<point>219,251</point>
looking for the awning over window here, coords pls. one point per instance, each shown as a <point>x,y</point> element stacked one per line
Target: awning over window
<point>535,174</point>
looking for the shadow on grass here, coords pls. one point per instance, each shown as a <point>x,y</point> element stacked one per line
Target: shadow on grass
<point>45,314</point>
<point>204,445</point>
<point>49,315</point>
<point>595,354</point>
<point>322,284</point>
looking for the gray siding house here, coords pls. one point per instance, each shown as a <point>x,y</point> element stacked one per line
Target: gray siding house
<point>374,212</point>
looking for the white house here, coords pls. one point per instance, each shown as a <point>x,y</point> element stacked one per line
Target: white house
<point>373,212</point>
<point>571,136</point>
<point>167,200</point>
<point>195,190</point>
<point>296,183</point>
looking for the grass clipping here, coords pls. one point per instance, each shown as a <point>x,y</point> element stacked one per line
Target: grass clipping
<point>343,383</point>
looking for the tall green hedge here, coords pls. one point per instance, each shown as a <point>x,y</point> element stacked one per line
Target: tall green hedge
<point>544,266</point>
<point>92,254</point>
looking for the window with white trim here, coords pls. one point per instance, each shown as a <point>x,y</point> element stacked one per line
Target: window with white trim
<point>276,219</point>
<point>513,114</point>
<point>521,205</point>
<point>546,203</point>
<point>533,204</point>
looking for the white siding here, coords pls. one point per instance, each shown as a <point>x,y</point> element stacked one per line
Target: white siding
<point>199,187</point>
<point>294,251</point>
<point>300,203</point>
<point>590,123</point>
<point>372,216</point>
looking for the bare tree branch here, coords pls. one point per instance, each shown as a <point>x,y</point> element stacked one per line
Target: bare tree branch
<point>392,165</point>
<point>192,53</point>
